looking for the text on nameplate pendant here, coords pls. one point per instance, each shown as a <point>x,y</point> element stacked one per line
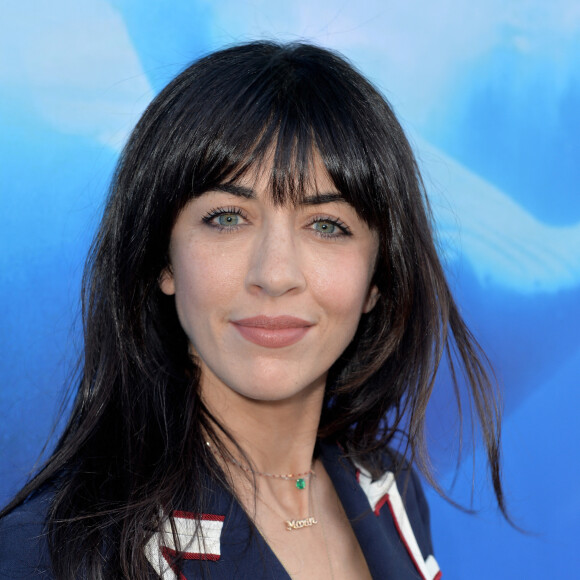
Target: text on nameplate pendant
<point>299,524</point>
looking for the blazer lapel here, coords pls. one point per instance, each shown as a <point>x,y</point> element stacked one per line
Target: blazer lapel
<point>232,547</point>
<point>386,555</point>
<point>227,545</point>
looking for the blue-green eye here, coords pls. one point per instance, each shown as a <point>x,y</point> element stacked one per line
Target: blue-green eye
<point>228,219</point>
<point>330,227</point>
<point>325,227</point>
<point>225,219</point>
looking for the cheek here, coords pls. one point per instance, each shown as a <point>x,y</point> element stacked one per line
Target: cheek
<point>204,281</point>
<point>343,286</point>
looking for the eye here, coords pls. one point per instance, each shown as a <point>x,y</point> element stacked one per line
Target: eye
<point>228,219</point>
<point>225,218</point>
<point>327,227</point>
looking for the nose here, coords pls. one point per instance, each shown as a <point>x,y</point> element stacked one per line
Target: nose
<point>275,264</point>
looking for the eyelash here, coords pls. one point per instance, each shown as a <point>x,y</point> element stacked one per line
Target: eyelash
<point>344,229</point>
<point>219,211</point>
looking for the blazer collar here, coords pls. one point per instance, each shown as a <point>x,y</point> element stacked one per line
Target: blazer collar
<point>234,547</point>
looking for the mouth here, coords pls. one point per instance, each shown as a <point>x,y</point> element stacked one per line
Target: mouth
<point>272,332</point>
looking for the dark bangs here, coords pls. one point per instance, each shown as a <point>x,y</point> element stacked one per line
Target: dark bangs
<point>277,106</point>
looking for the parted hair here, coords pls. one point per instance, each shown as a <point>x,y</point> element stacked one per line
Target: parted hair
<point>134,445</point>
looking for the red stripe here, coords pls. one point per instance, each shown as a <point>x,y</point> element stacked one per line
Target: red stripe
<point>171,556</point>
<point>401,535</point>
<point>381,503</point>
<point>167,553</point>
<point>377,509</point>
<point>192,516</point>
<point>200,556</point>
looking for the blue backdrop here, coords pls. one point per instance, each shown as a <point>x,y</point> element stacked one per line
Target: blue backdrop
<point>490,94</point>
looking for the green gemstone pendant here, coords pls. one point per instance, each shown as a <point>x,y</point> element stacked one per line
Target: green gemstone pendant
<point>300,483</point>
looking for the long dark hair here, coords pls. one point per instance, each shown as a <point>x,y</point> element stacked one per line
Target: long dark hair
<point>135,441</point>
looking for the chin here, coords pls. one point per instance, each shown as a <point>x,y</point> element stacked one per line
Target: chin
<point>277,389</point>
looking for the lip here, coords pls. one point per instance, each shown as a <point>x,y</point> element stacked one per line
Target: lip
<point>272,331</point>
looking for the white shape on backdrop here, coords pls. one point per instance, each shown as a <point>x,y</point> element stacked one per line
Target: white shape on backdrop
<point>81,72</point>
<point>75,65</point>
<point>444,43</point>
<point>504,244</point>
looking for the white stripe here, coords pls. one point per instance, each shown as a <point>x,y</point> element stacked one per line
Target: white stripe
<point>375,490</point>
<point>432,566</point>
<point>386,485</point>
<point>156,559</point>
<point>194,535</point>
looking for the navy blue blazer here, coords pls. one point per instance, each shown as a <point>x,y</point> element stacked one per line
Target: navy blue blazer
<point>389,516</point>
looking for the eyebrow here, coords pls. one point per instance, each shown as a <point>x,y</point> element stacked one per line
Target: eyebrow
<point>248,193</point>
<point>237,190</point>
<point>321,198</point>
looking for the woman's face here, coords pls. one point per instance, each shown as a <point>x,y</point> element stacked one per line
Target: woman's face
<point>269,296</point>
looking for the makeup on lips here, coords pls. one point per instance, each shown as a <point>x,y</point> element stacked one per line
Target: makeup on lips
<point>272,332</point>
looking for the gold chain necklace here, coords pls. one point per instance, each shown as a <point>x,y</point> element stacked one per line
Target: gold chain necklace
<point>290,527</point>
<point>295,524</point>
<point>299,478</point>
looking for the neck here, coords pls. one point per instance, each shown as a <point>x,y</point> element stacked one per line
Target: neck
<point>278,437</point>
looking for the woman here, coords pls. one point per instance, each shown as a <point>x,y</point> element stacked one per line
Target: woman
<point>264,313</point>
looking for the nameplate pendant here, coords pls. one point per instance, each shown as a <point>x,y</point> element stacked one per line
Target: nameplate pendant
<point>299,524</point>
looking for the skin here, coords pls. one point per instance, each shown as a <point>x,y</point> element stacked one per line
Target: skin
<point>234,256</point>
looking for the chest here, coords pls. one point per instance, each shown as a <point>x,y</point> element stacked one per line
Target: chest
<point>371,536</point>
